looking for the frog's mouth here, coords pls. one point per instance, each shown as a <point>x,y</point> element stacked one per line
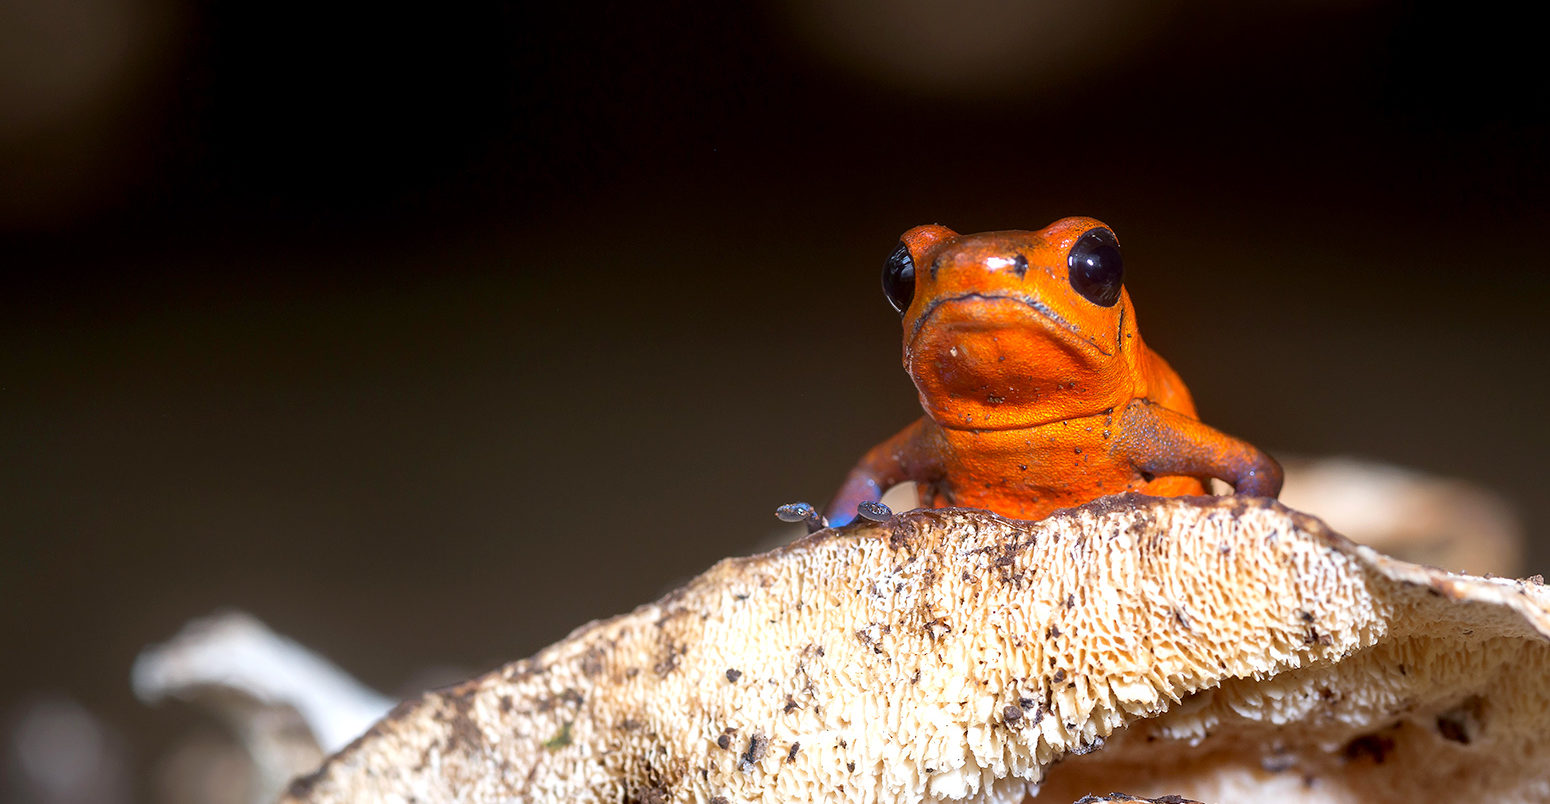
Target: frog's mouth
<point>1030,302</point>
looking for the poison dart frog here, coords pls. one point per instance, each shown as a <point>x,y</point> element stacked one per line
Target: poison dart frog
<point>1038,391</point>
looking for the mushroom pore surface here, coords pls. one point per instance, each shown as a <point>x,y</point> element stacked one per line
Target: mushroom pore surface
<point>1218,648</point>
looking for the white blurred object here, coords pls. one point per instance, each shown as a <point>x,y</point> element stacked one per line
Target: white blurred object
<point>61,753</point>
<point>288,706</point>
<point>901,498</point>
<point>1422,518</point>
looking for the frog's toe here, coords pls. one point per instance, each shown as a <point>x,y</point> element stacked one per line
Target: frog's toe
<point>800,512</point>
<point>874,511</point>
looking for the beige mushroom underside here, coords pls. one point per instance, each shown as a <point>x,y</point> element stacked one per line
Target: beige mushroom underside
<point>1222,649</point>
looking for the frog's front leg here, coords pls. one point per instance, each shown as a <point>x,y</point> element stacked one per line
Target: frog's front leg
<point>1160,441</point>
<point>911,454</point>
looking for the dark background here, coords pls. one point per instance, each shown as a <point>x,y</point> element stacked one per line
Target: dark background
<point>429,335</point>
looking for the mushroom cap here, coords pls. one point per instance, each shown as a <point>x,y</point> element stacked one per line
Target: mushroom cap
<point>1219,648</point>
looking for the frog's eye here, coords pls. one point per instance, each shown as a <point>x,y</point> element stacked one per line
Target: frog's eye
<point>899,278</point>
<point>1097,268</point>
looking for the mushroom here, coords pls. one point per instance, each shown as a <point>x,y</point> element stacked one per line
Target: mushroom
<point>1222,649</point>
<point>1442,521</point>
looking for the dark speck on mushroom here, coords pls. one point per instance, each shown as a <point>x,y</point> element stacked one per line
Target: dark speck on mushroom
<point>757,745</point>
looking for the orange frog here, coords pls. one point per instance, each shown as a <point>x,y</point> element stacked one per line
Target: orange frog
<point>1037,389</point>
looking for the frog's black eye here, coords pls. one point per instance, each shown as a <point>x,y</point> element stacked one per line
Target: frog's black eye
<point>899,278</point>
<point>1097,268</point>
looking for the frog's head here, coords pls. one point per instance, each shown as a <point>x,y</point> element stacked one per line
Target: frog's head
<point>1014,329</point>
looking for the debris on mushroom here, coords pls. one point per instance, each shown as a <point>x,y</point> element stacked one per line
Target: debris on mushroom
<point>1221,649</point>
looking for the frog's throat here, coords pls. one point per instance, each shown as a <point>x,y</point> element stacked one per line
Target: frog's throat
<point>1028,301</point>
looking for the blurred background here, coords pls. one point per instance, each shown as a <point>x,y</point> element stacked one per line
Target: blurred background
<point>428,335</point>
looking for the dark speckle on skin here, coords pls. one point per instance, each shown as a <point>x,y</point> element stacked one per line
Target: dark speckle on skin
<point>1060,675</point>
<point>791,756</point>
<point>734,674</point>
<point>1012,714</point>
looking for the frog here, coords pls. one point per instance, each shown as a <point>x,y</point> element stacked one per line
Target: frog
<point>1037,390</point>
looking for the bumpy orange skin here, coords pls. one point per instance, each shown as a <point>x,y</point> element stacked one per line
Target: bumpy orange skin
<point>1036,398</point>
